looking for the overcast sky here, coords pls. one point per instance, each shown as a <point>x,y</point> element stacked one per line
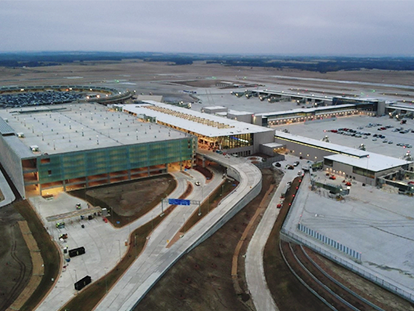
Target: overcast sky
<point>330,27</point>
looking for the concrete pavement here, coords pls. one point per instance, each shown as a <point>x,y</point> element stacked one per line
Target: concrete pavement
<point>6,190</point>
<point>157,259</point>
<point>371,221</point>
<point>104,244</point>
<point>255,276</point>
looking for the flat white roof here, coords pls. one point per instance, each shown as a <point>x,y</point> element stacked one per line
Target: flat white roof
<point>284,93</point>
<point>201,123</point>
<point>351,156</point>
<point>239,113</point>
<point>334,147</point>
<point>304,110</point>
<point>374,162</point>
<point>214,107</point>
<point>273,145</point>
<point>77,127</point>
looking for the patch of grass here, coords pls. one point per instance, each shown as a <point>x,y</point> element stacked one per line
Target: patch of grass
<point>117,220</point>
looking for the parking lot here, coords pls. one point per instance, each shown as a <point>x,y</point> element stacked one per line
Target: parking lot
<point>38,98</point>
<point>360,124</point>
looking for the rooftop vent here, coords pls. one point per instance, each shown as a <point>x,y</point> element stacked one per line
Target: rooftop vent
<point>34,148</point>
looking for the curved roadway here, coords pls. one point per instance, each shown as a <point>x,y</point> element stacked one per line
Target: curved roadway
<point>255,276</point>
<point>157,259</point>
<point>104,244</point>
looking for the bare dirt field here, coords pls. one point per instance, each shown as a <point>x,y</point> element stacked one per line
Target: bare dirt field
<point>158,76</point>
<point>15,261</point>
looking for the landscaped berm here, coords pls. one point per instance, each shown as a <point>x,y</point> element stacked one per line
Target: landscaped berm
<point>128,201</point>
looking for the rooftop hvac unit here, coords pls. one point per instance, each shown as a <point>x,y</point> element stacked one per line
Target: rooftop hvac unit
<point>20,135</point>
<point>34,148</point>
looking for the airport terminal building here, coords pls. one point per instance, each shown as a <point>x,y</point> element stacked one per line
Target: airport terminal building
<point>67,147</point>
<point>213,132</point>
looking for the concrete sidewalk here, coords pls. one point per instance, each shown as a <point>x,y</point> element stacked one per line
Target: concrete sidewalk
<point>6,190</point>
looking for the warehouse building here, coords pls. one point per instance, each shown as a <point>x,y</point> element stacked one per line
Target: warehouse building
<point>67,147</point>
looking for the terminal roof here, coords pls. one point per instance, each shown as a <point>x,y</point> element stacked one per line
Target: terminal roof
<point>292,94</point>
<point>356,153</point>
<point>305,110</point>
<point>201,123</point>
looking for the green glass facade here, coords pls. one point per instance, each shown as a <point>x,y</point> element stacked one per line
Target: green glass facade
<point>59,167</point>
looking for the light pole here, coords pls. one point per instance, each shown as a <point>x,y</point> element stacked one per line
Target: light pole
<point>162,207</point>
<point>119,248</point>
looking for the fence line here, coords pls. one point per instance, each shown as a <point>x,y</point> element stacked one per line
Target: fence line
<point>332,243</point>
<point>354,268</point>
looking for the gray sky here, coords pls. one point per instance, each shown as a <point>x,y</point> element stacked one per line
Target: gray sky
<point>330,27</point>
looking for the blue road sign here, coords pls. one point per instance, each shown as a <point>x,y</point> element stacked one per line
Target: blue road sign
<point>178,202</point>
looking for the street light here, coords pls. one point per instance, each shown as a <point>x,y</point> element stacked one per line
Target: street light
<point>162,207</point>
<point>119,248</point>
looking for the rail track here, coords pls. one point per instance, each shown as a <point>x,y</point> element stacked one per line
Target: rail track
<point>333,293</point>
